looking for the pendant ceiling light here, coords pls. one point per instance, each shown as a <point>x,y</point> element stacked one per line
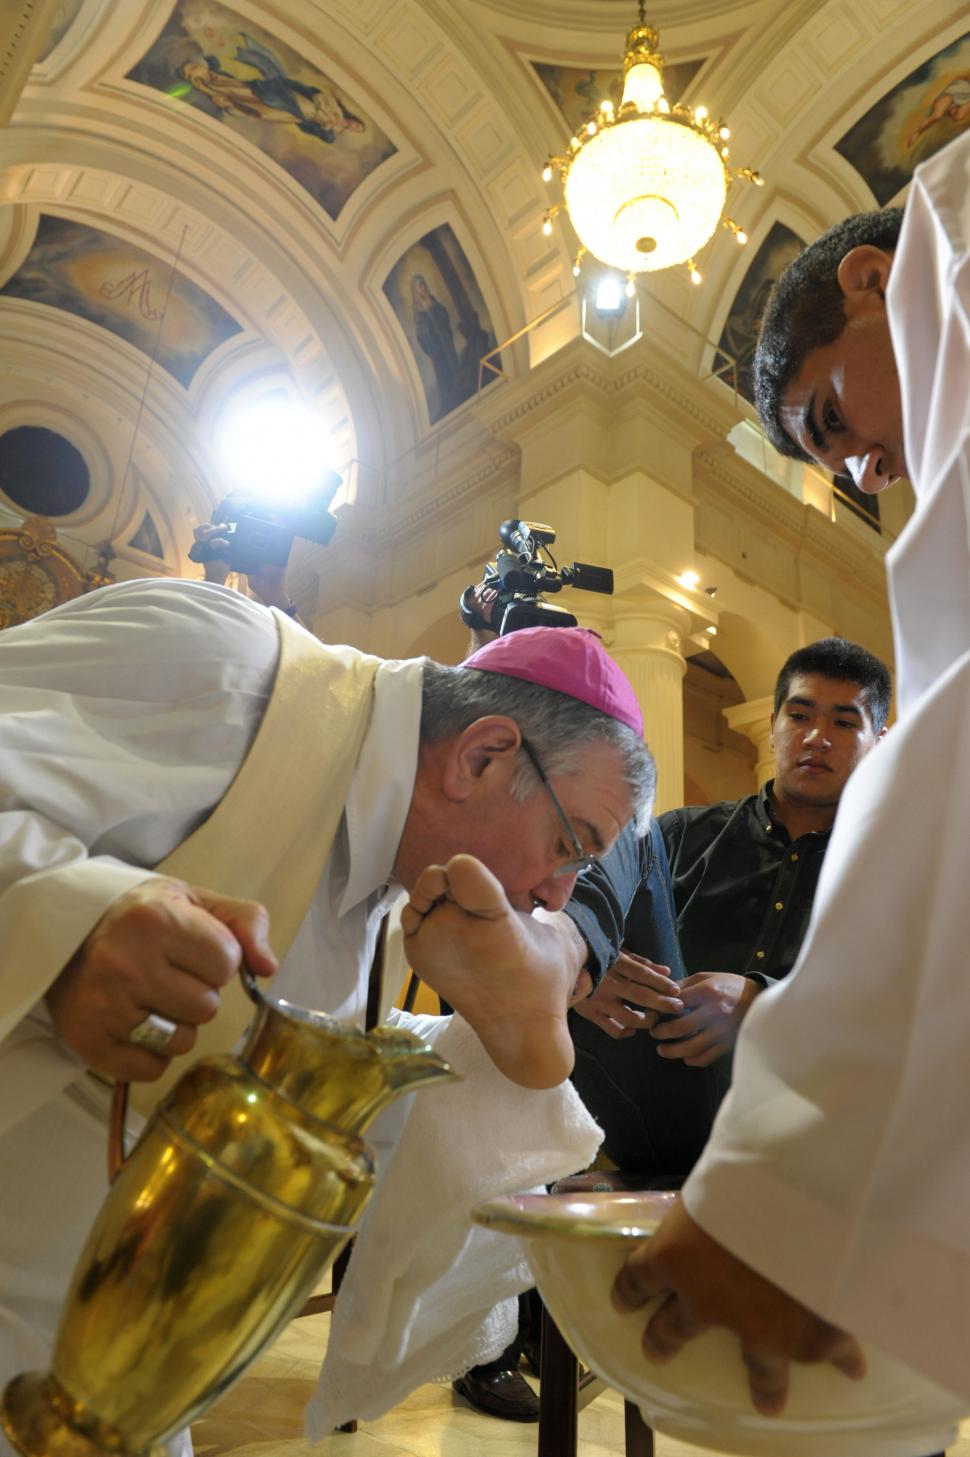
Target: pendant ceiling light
<point>644,183</point>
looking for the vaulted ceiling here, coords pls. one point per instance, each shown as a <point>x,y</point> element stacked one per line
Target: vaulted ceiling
<point>258,184</point>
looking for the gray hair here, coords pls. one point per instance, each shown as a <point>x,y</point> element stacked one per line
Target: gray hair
<point>558,727</point>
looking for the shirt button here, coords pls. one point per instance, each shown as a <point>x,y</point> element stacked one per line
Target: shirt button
<point>794,856</point>
<point>760,955</point>
<point>779,905</point>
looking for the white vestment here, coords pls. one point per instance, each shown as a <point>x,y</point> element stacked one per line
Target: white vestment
<point>839,1166</point>
<point>125,716</point>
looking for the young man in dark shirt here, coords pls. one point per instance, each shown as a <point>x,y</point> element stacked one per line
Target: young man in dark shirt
<point>742,878</point>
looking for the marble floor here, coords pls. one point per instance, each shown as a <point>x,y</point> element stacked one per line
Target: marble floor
<point>263,1417</point>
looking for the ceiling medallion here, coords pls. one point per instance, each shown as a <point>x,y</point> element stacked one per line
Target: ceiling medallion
<point>644,183</point>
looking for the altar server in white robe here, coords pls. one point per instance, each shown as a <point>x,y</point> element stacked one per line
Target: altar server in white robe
<point>834,1194</point>
<point>124,718</point>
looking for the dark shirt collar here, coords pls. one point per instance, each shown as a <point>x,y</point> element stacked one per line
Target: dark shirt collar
<point>765,815</point>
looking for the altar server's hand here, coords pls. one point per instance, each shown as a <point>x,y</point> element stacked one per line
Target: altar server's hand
<point>164,947</point>
<point>703,1286</point>
<point>716,1004</point>
<point>633,979</point>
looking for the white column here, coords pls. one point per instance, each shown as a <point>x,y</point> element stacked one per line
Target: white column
<point>648,634</point>
<point>753,719</point>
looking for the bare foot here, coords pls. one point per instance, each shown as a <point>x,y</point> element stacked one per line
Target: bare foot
<point>508,975</point>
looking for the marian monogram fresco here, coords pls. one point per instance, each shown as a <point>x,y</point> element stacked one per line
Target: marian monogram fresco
<point>210,58</point>
<point>125,289</point>
<point>923,112</point>
<point>438,304</point>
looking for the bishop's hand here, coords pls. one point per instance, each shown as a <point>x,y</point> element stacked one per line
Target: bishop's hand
<point>164,948</point>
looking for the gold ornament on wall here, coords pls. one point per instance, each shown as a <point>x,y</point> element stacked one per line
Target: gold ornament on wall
<point>37,573</point>
<point>644,183</point>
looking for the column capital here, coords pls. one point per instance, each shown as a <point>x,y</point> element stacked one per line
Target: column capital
<point>753,719</point>
<point>643,590</point>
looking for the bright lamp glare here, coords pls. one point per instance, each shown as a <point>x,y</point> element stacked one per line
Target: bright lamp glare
<point>609,297</point>
<point>275,447</point>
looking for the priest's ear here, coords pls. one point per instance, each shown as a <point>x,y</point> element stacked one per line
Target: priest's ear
<point>865,269</point>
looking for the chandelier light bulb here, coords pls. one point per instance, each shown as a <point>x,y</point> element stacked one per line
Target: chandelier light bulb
<point>547,226</point>
<point>591,128</point>
<point>741,236</point>
<point>631,288</point>
<point>724,132</point>
<point>607,107</point>
<point>700,112</point>
<point>547,172</point>
<point>663,105</point>
<point>695,275</point>
<point>643,86</point>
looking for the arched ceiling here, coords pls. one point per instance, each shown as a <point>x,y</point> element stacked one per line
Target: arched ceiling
<point>136,144</point>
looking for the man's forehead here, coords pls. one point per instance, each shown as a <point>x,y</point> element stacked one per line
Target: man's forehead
<point>820,688</point>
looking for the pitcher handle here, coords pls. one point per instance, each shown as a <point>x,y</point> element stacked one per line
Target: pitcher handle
<point>119,1097</point>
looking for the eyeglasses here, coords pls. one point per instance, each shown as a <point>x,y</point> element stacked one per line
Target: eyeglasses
<point>582,862</point>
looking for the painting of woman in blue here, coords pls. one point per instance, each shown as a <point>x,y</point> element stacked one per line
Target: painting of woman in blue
<point>273,96</point>
<point>210,61</point>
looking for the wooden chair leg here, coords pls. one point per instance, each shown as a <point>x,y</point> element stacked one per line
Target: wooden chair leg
<point>558,1391</point>
<point>639,1437</point>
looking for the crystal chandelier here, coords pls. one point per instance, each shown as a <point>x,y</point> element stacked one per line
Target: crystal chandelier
<point>644,183</point>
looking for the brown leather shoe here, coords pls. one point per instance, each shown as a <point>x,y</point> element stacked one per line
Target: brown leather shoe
<point>499,1394</point>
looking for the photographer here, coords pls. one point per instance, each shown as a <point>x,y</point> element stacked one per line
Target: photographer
<point>267,583</point>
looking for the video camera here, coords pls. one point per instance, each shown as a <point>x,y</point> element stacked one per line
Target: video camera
<point>260,531</point>
<point>520,576</point>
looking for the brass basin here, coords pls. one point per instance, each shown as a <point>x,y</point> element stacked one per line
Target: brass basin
<point>575,1243</point>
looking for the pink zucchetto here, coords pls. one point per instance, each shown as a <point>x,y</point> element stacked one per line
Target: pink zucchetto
<point>571,660</point>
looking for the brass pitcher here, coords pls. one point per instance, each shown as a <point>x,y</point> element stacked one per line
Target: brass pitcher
<point>240,1193</point>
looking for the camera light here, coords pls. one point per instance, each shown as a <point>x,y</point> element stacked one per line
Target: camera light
<point>609,295</point>
<point>275,447</point>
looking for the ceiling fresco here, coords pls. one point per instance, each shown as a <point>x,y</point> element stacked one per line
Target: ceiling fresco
<point>739,337</point>
<point>914,119</point>
<point>232,69</point>
<point>440,307</point>
<point>578,90</point>
<point>64,18</point>
<point>123,288</point>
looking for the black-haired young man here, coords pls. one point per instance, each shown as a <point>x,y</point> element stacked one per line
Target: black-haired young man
<point>743,880</point>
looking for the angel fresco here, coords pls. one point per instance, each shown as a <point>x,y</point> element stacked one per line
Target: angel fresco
<point>952,103</point>
<point>915,118</point>
<point>273,96</point>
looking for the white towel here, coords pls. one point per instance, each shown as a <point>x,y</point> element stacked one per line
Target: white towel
<point>428,1294</point>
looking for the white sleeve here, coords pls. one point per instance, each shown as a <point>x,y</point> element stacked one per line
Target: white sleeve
<point>123,718</point>
<point>839,1165</point>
